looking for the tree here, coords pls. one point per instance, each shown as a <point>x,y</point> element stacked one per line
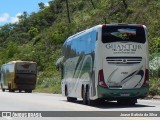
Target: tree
<point>33,31</point>
<point>6,30</point>
<point>92,4</point>
<point>125,4</point>
<point>23,17</point>
<point>41,5</point>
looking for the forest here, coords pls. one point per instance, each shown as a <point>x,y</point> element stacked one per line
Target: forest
<point>39,36</point>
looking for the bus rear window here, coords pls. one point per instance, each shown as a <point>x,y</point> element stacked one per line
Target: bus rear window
<point>123,34</point>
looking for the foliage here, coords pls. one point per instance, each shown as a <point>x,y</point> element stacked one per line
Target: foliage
<point>154,86</point>
<point>33,31</point>
<point>39,36</point>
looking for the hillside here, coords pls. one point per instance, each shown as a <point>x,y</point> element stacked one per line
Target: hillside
<point>39,36</point>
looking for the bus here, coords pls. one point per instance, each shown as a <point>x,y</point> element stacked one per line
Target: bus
<point>106,62</point>
<point>19,75</point>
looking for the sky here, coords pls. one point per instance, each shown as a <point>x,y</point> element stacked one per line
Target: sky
<point>10,9</point>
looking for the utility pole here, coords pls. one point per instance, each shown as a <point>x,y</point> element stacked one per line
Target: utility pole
<point>69,20</point>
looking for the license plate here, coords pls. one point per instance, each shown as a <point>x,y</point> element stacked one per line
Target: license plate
<point>125,94</point>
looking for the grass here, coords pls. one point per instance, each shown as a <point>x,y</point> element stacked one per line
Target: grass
<point>51,89</point>
<point>49,85</point>
<point>154,88</point>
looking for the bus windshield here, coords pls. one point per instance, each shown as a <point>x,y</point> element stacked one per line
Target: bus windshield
<point>123,34</point>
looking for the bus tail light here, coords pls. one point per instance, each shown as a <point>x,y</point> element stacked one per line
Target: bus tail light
<point>146,78</point>
<point>101,80</point>
<point>104,26</point>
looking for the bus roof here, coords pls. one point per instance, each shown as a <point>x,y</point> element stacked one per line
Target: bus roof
<point>19,61</point>
<point>98,26</point>
<point>81,32</point>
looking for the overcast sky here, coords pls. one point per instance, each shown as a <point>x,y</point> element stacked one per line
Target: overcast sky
<point>10,9</point>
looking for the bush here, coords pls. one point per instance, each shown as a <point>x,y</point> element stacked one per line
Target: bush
<point>154,86</point>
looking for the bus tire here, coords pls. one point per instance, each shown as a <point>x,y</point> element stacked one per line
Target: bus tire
<point>84,97</point>
<point>29,91</point>
<point>9,88</point>
<point>69,99</point>
<point>82,88</point>
<point>89,101</point>
<point>3,90</point>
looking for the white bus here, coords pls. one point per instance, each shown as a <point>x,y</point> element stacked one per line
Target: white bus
<point>106,62</point>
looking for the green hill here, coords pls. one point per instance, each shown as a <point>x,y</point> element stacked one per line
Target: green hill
<point>39,36</point>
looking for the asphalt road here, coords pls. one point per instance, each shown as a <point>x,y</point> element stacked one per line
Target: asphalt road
<point>38,102</point>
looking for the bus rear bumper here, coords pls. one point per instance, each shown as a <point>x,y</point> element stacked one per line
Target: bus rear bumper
<point>114,94</point>
<point>25,87</point>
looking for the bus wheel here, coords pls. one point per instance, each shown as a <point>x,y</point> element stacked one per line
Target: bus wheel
<point>84,97</point>
<point>29,91</point>
<point>89,101</point>
<point>66,94</point>
<point>9,88</point>
<point>69,99</point>
<point>3,90</point>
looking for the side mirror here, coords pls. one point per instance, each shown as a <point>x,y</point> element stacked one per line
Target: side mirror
<point>59,63</point>
<point>57,67</point>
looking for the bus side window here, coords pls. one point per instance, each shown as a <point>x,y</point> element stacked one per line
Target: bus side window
<point>94,37</point>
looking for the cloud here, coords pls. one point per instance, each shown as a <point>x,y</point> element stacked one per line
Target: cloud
<point>46,4</point>
<point>15,19</point>
<point>4,17</point>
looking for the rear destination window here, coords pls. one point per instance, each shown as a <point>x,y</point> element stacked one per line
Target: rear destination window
<point>123,33</point>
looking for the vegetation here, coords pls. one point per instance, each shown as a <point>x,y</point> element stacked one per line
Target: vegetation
<point>39,36</point>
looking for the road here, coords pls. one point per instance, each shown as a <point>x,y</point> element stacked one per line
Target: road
<point>56,102</point>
